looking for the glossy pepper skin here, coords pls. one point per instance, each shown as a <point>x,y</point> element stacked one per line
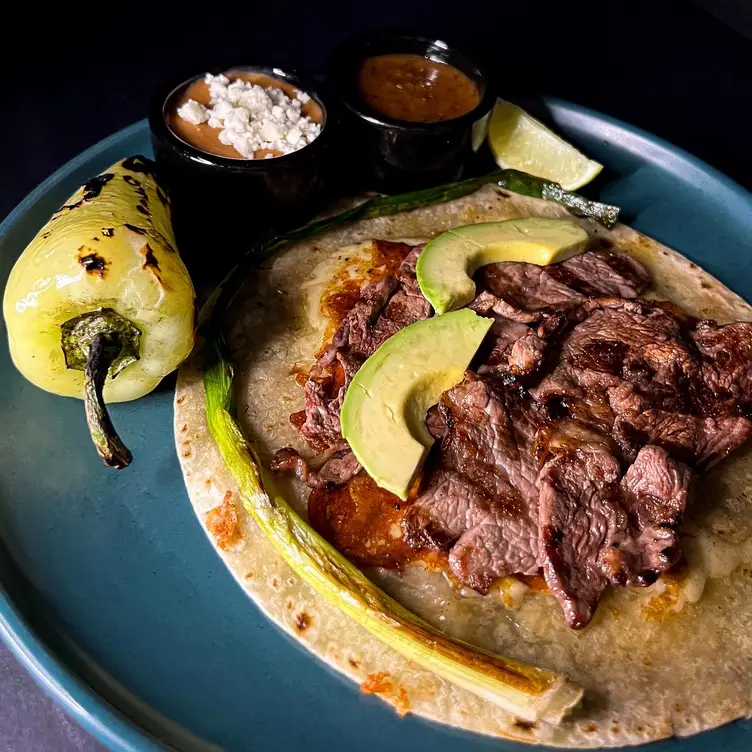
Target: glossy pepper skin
<point>104,267</point>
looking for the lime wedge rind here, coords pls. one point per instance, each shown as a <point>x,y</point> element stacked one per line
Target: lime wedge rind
<point>521,142</point>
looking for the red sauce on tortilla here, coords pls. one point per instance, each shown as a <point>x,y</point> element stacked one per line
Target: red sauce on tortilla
<point>364,522</point>
<point>343,290</point>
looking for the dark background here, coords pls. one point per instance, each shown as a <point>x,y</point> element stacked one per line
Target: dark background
<point>665,65</point>
<point>75,74</point>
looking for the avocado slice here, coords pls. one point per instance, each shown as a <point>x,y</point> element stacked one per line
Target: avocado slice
<point>447,263</point>
<point>384,412</point>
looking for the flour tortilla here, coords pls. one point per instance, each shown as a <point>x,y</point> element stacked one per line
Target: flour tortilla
<point>672,659</point>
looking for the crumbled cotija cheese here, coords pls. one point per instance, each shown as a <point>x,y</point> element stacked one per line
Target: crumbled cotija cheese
<point>253,117</point>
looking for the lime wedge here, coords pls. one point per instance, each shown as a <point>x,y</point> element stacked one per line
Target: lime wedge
<point>521,142</point>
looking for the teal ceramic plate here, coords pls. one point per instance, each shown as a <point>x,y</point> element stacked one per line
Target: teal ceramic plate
<point>111,595</point>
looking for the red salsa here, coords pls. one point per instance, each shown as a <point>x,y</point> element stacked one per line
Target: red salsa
<point>416,89</point>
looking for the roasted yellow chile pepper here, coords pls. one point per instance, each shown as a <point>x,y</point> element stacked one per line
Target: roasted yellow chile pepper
<point>100,305</point>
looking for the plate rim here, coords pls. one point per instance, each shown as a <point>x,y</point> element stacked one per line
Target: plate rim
<point>67,688</point>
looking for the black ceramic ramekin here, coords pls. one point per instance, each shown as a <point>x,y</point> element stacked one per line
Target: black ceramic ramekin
<point>220,205</point>
<point>400,155</point>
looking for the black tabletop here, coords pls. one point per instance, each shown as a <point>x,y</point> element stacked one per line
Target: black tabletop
<point>74,75</point>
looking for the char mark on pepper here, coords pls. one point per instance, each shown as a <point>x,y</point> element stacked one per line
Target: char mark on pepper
<point>92,262</point>
<point>93,187</point>
<point>149,258</point>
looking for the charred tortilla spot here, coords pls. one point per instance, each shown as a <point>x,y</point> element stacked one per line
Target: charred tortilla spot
<point>524,725</point>
<point>96,239</point>
<point>133,228</point>
<point>138,163</point>
<point>353,663</point>
<point>302,621</point>
<point>143,209</point>
<point>108,232</point>
<point>93,187</point>
<point>46,235</point>
<point>132,181</point>
<point>92,262</point>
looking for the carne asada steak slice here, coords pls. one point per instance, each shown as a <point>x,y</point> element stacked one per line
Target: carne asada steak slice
<point>524,290</point>
<point>333,467</point>
<point>596,527</point>
<point>654,497</point>
<point>578,507</point>
<point>481,492</point>
<point>639,372</point>
<point>701,442</point>
<point>602,273</point>
<point>515,350</point>
<point>517,294</point>
<point>726,353</point>
<point>382,310</point>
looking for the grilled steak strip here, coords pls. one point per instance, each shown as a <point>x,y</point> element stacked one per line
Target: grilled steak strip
<point>383,309</point>
<point>597,527</point>
<point>654,497</point>
<point>525,294</point>
<point>639,372</point>
<point>480,498</point>
<point>528,289</point>
<point>333,467</point>
<point>578,506</point>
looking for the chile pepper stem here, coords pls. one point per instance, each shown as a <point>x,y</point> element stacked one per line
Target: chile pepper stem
<point>103,350</point>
